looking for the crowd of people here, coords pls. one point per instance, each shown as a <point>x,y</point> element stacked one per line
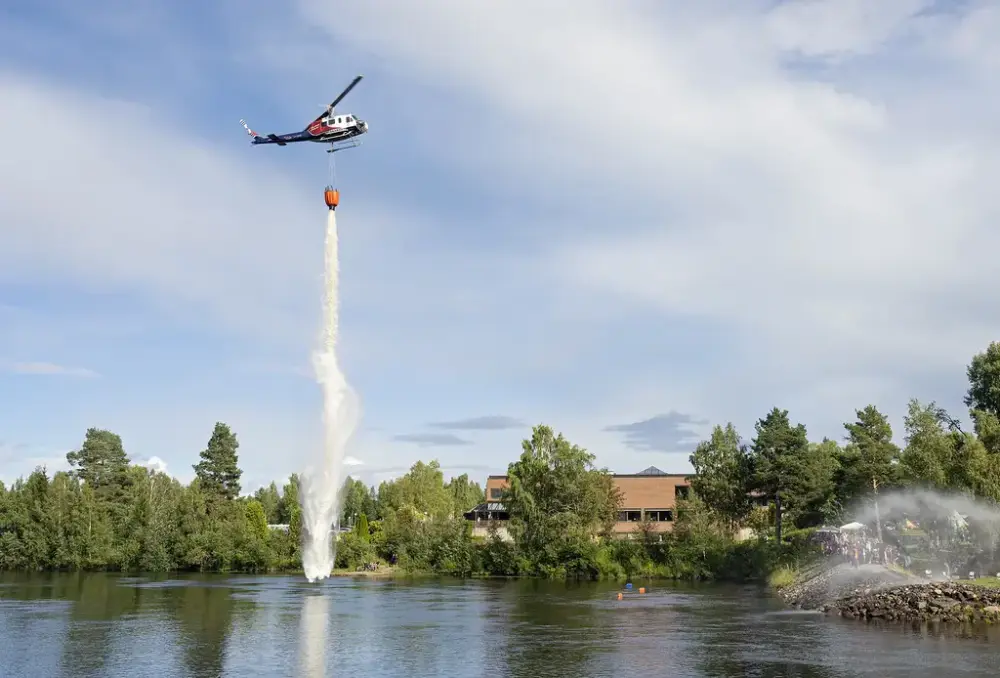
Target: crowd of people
<point>857,546</point>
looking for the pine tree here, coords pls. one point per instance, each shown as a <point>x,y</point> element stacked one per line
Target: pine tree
<point>218,471</point>
<point>361,528</point>
<point>101,462</point>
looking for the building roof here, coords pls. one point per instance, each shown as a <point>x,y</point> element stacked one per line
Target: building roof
<point>487,506</point>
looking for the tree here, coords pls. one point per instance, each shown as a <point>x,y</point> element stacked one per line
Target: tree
<point>357,501</point>
<point>929,454</point>
<point>465,494</point>
<point>780,460</point>
<point>289,500</point>
<point>218,470</point>
<point>984,381</point>
<point>557,499</point>
<point>723,473</point>
<point>101,462</point>
<point>270,500</point>
<point>877,455</point>
<point>422,489</point>
<point>819,501</point>
<point>361,529</point>
<point>983,396</point>
<point>256,519</point>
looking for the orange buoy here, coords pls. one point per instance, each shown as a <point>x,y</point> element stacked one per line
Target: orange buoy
<point>619,595</point>
<point>332,197</point>
<point>642,589</point>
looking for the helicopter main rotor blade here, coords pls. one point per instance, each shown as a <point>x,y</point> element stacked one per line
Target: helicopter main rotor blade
<point>345,92</point>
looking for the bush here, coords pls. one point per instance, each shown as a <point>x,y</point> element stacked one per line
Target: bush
<point>353,551</point>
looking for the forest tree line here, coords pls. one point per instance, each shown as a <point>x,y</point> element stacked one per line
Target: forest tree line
<point>107,513</point>
<point>825,482</point>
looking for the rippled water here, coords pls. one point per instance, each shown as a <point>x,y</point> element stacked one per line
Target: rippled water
<point>103,625</point>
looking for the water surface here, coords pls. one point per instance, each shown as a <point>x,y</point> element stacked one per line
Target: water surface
<point>69,625</point>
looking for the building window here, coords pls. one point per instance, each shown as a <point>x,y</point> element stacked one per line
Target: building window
<point>496,492</point>
<point>629,516</point>
<point>682,491</point>
<point>660,515</point>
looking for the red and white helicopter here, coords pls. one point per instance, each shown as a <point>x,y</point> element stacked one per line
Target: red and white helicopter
<point>329,128</point>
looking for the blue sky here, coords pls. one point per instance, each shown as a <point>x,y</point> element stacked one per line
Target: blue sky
<point>627,222</point>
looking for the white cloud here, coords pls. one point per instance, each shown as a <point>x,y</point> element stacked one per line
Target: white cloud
<point>43,368</point>
<point>352,461</point>
<point>825,227</point>
<point>154,464</point>
<point>18,460</point>
<point>833,227</point>
<point>846,27</point>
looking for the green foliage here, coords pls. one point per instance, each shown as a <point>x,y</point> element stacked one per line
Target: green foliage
<point>358,500</point>
<point>361,529</point>
<point>782,578</point>
<point>219,471</point>
<point>101,463</point>
<point>109,514</point>
<point>984,381</point>
<point>270,500</point>
<point>557,501</point>
<point>874,457</point>
<point>465,494</point>
<point>723,474</point>
<point>354,552</point>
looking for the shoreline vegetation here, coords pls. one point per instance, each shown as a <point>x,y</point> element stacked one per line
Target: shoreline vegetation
<point>753,509</point>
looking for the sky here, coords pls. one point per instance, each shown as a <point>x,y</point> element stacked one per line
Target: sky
<point>629,221</point>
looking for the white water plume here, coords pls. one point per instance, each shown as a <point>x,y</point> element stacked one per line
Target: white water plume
<point>321,482</point>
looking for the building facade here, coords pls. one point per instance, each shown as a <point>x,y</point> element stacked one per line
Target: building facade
<point>650,494</point>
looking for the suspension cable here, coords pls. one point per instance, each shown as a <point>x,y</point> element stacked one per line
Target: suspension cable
<point>333,170</point>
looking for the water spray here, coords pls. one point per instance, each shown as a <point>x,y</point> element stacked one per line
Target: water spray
<point>322,481</point>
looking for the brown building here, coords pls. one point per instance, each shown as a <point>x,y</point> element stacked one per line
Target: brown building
<point>649,494</point>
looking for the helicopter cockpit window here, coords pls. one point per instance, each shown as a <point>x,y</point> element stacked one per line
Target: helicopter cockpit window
<point>348,119</point>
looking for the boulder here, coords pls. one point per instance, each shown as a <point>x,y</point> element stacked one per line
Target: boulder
<point>951,603</point>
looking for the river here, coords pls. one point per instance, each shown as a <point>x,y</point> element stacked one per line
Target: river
<point>77,625</point>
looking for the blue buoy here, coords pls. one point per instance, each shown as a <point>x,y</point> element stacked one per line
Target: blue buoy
<point>628,586</point>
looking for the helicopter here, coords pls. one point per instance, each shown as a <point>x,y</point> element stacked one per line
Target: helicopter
<point>329,128</point>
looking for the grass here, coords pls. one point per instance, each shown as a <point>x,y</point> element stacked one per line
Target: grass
<point>383,571</point>
<point>782,577</point>
<point>988,582</point>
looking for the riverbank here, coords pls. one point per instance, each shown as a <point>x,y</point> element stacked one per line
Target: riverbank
<point>876,592</point>
<point>947,602</point>
<point>382,572</point>
<point>823,583</point>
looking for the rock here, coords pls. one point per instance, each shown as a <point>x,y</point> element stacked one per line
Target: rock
<point>951,603</point>
<point>823,584</point>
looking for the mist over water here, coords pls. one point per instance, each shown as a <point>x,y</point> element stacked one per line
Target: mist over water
<point>322,480</point>
<point>954,533</point>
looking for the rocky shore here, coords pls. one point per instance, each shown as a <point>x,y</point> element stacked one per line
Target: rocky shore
<point>874,592</point>
<point>949,602</point>
<point>822,585</point>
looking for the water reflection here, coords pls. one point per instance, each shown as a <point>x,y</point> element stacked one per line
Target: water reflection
<point>204,613</point>
<point>550,631</point>
<point>313,633</point>
<point>94,620</point>
<point>64,626</point>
